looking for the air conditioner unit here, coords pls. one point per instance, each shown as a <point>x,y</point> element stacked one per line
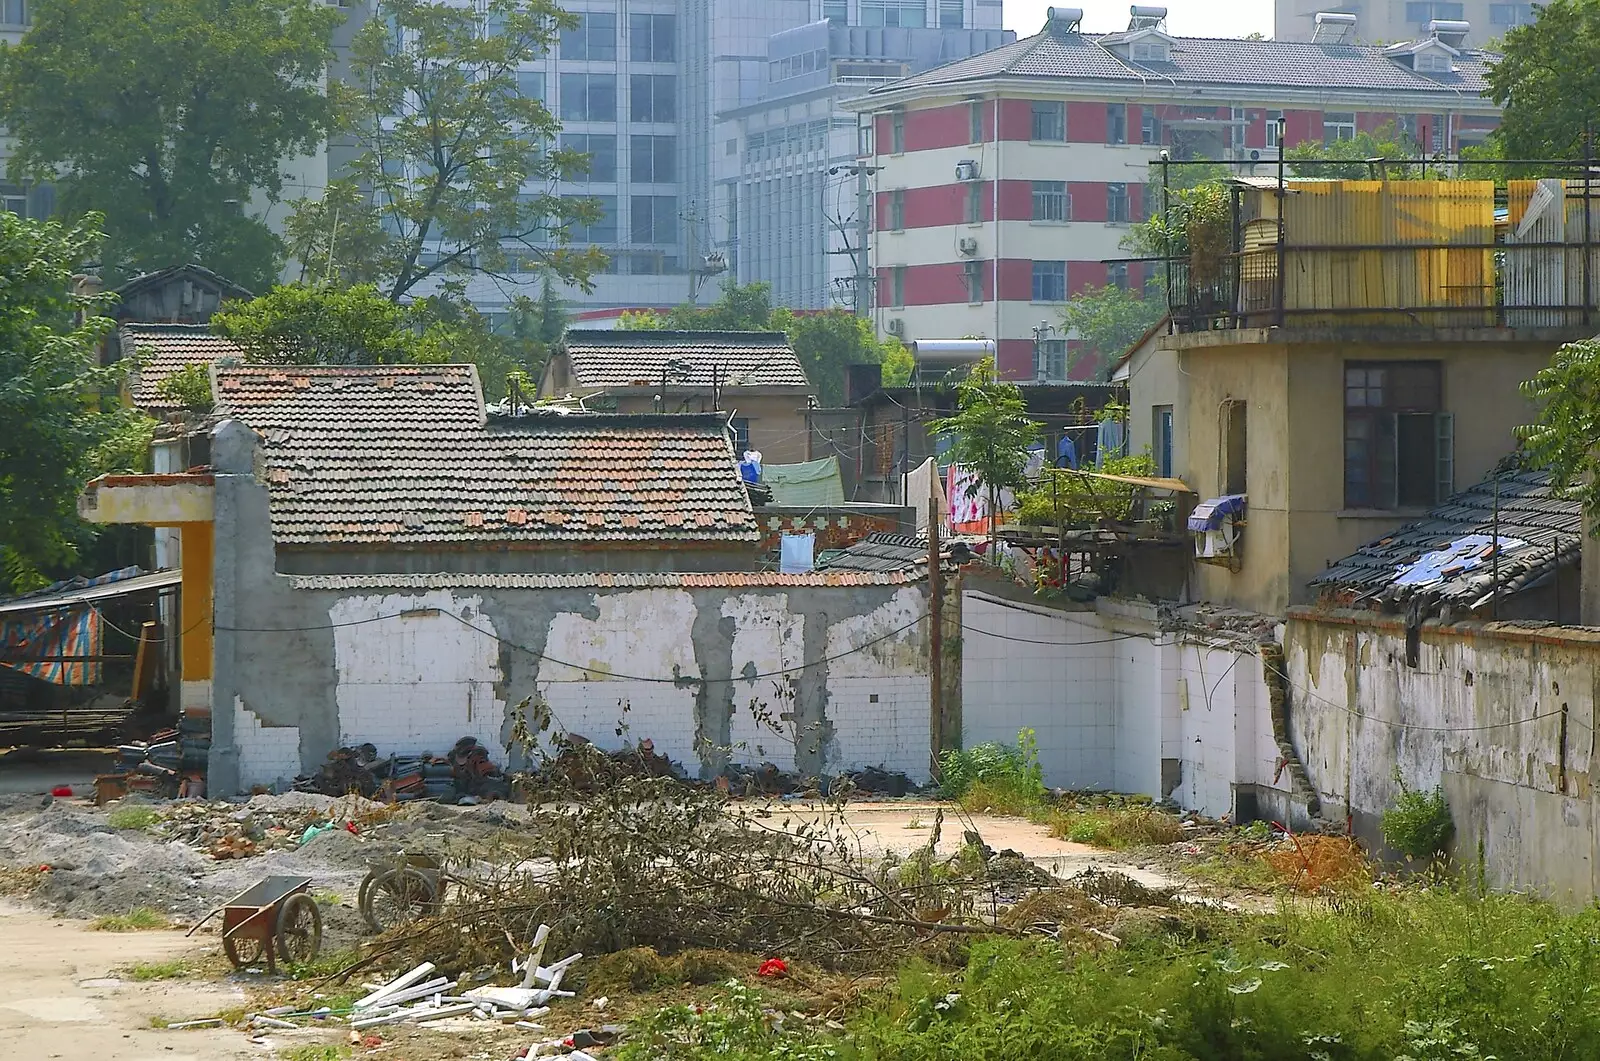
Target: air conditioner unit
<point>895,325</point>
<point>968,245</point>
<point>967,170</point>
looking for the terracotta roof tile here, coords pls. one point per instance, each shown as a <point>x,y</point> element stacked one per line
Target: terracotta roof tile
<point>164,349</point>
<point>405,455</point>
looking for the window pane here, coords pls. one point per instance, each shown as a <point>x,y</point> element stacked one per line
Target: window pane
<point>602,152</point>
<point>594,38</point>
<point>1049,281</point>
<point>655,219</point>
<point>654,97</point>
<point>653,158</point>
<point>1117,202</point>
<point>650,38</point>
<point>589,97</point>
<point>530,83</point>
<point>1049,121</point>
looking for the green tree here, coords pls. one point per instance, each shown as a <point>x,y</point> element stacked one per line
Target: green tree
<point>337,239</point>
<point>1548,81</point>
<point>1110,319</point>
<point>165,116</point>
<point>295,324</point>
<point>1565,436</point>
<point>1347,159</point>
<point>990,433</point>
<point>447,138</point>
<point>62,423</point>
<point>740,308</point>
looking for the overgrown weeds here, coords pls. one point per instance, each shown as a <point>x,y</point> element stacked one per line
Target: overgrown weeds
<point>171,969</point>
<point>1419,824</point>
<point>1114,822</point>
<point>133,817</point>
<point>995,778</point>
<point>140,919</point>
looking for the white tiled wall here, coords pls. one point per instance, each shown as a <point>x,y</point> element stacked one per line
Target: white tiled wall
<point>880,721</point>
<point>268,755</point>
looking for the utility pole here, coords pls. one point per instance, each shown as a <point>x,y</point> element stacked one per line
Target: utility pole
<point>863,240</point>
<point>935,628</point>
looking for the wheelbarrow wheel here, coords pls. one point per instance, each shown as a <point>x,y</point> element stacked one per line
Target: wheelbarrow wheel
<point>398,897</point>
<point>244,951</point>
<point>299,929</point>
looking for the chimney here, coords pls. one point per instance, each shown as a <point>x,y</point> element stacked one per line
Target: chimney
<point>1142,16</point>
<point>1063,21</point>
<point>1334,27</point>
<point>1449,32</point>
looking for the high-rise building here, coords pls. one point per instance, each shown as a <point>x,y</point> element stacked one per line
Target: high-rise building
<point>786,203</point>
<point>1392,21</point>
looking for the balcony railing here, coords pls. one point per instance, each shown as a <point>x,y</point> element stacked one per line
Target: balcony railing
<point>1415,253</point>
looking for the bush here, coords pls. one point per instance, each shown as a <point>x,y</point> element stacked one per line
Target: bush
<point>190,387</point>
<point>995,775</point>
<point>735,1026</point>
<point>1418,825</point>
<point>1065,498</point>
<point>1116,824</point>
<point>141,919</point>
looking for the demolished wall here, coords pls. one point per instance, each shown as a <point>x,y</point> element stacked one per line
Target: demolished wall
<point>1501,715</point>
<point>818,674</point>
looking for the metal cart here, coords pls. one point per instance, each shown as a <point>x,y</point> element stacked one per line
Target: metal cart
<point>273,919</point>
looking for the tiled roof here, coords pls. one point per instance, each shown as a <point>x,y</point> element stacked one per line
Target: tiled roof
<point>638,358</point>
<point>199,272</point>
<point>403,455</point>
<point>1445,556</point>
<point>881,552</point>
<point>167,348</point>
<point>606,580</point>
<point>1199,60</point>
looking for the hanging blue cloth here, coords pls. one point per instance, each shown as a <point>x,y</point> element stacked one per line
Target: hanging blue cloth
<point>1109,441</point>
<point>1066,454</point>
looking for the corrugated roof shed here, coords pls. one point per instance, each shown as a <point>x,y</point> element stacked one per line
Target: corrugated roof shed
<point>881,553</point>
<point>165,349</point>
<point>403,455</point>
<point>1205,61</point>
<point>638,359</point>
<point>1446,557</point>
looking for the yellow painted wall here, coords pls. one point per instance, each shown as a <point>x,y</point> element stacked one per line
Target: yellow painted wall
<point>195,618</point>
<point>1259,375</point>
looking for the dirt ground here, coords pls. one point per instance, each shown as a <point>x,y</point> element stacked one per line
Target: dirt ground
<point>59,997</point>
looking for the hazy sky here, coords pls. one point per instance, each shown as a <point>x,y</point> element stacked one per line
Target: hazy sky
<point>1185,18</point>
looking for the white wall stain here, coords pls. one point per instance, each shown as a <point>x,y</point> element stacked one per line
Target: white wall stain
<point>420,682</point>
<point>767,639</point>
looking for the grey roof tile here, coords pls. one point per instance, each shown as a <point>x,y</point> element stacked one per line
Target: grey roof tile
<point>1539,531</point>
<point>1200,60</point>
<point>637,358</point>
<point>164,349</point>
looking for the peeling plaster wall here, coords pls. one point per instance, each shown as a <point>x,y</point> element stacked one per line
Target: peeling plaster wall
<point>697,670</point>
<point>1481,714</point>
<point>1118,703</point>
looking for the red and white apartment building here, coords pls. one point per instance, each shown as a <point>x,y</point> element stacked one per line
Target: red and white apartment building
<point>1007,182</point>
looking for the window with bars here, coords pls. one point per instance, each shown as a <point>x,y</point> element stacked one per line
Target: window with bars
<point>602,152</point>
<point>903,13</point>
<point>1117,275</point>
<point>836,10</point>
<point>1051,201</point>
<point>1117,202</point>
<point>651,38</point>
<point>974,203</point>
<point>653,97</point>
<point>1052,366</point>
<point>975,122</point>
<point>1149,126</point>
<point>897,132</point>
<point>972,274</point>
<point>1399,445</point>
<point>589,97</point>
<point>951,14</point>
<point>653,159</point>
<point>594,37</point>
<point>1049,120</point>
<point>1338,125</point>
<point>897,286</point>
<point>897,210</point>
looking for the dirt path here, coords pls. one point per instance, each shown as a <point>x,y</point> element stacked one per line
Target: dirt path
<point>60,999</point>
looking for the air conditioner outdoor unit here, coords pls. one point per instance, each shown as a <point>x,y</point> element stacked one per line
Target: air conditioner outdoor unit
<point>968,245</point>
<point>967,170</point>
<point>895,325</point>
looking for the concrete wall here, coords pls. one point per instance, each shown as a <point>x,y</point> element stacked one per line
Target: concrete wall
<point>1296,519</point>
<point>1501,715</point>
<point>708,668</point>
<point>1154,381</point>
<point>1119,703</point>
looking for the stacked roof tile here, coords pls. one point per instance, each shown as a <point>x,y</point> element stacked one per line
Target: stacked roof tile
<point>164,349</point>
<point>684,359</point>
<point>1197,60</point>
<point>1447,557</point>
<point>404,455</point>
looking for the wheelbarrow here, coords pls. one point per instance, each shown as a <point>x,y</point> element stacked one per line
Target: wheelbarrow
<point>400,890</point>
<point>275,918</point>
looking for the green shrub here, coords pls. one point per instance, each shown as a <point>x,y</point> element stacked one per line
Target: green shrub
<point>190,387</point>
<point>995,775</point>
<point>1418,825</point>
<point>132,818</point>
<point>735,1026</point>
<point>1063,497</point>
<point>141,919</point>
<point>1116,824</point>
